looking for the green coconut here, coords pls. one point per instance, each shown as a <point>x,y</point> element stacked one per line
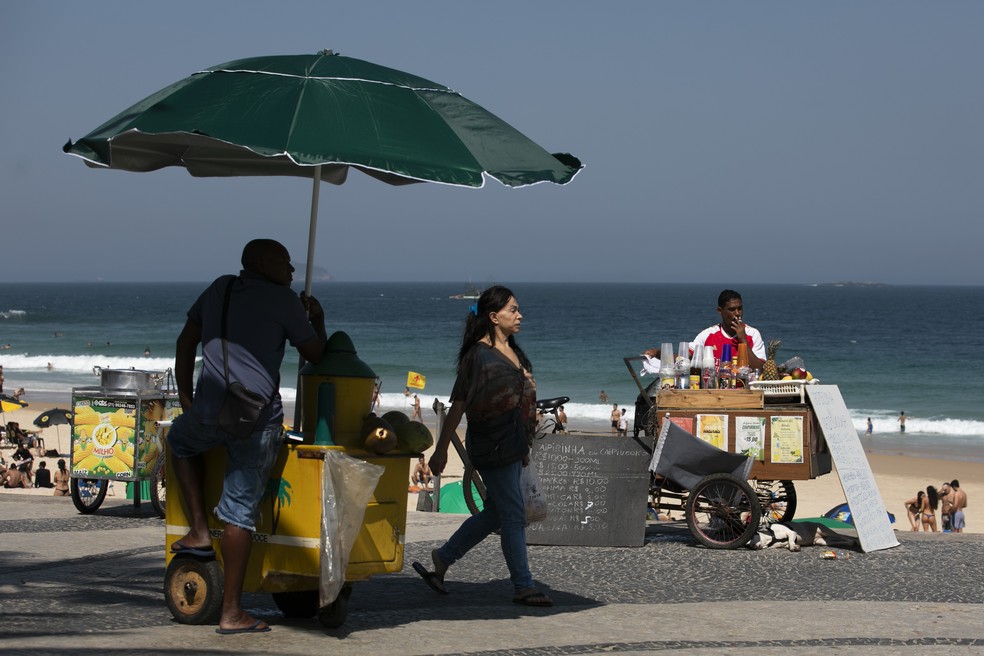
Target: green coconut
<point>396,418</point>
<point>413,437</point>
<point>379,434</point>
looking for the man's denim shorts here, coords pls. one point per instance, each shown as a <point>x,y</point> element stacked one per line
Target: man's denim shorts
<point>247,470</point>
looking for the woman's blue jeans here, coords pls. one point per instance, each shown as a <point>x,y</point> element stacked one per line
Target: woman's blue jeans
<point>504,510</point>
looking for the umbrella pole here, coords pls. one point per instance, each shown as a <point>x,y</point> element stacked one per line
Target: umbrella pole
<point>308,271</point>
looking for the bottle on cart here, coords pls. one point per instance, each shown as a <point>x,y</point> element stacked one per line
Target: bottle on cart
<point>725,373</point>
<point>708,374</point>
<point>696,364</point>
<point>667,374</point>
<point>743,371</point>
<point>681,366</point>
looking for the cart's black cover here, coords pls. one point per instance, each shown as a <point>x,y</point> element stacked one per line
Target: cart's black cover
<point>685,459</point>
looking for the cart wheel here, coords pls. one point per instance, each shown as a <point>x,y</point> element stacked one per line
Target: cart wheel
<point>298,603</point>
<point>88,493</point>
<point>158,491</point>
<point>333,615</point>
<point>193,589</point>
<point>777,499</point>
<point>723,511</point>
<point>471,484</point>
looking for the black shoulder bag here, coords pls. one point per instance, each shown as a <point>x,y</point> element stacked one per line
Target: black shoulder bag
<point>241,408</point>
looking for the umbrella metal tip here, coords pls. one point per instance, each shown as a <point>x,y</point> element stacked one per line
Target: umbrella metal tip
<point>328,52</point>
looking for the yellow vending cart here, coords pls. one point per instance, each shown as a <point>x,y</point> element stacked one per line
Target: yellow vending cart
<point>117,435</point>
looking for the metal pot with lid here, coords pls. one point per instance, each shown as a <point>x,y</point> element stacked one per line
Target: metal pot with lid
<point>130,379</point>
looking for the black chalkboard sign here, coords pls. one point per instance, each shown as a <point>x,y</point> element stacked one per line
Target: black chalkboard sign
<point>597,489</point>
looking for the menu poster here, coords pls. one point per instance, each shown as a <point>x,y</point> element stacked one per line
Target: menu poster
<point>686,423</point>
<point>750,437</point>
<point>787,439</point>
<point>713,429</point>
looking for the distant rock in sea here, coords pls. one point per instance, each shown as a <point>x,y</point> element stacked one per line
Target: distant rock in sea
<point>851,283</point>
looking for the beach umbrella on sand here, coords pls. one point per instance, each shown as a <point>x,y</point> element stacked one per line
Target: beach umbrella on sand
<point>55,417</point>
<point>9,404</point>
<point>317,116</point>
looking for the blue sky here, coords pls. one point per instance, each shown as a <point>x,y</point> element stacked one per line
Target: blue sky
<point>723,142</point>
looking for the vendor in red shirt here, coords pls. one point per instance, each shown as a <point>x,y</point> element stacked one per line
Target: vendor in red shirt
<point>732,330</point>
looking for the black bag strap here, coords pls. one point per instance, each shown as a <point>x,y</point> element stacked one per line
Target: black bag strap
<point>223,327</point>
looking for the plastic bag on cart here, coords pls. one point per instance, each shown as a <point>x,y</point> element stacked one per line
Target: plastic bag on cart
<point>347,484</point>
<point>685,459</point>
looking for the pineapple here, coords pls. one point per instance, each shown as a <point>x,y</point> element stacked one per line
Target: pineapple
<point>769,369</point>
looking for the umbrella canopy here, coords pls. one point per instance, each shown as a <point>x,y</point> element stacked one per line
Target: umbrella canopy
<point>282,115</point>
<point>9,403</point>
<point>53,417</point>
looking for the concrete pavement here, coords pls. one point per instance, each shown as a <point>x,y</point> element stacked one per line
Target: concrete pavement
<point>71,583</point>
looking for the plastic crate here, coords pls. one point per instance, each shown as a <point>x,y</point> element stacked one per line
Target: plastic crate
<point>782,388</point>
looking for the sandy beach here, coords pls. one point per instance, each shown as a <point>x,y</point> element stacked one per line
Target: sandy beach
<point>898,477</point>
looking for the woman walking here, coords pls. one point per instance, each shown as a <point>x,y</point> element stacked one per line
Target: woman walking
<point>496,392</point>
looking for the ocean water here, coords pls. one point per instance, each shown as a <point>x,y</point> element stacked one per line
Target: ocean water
<point>917,349</point>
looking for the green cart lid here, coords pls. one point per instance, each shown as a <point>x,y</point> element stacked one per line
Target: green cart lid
<point>340,360</point>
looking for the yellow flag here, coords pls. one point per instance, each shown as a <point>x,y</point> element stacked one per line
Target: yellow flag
<point>415,380</point>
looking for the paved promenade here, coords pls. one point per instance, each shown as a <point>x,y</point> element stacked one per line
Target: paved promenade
<point>71,584</point>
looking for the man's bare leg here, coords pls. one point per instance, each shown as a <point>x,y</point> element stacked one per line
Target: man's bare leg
<point>190,475</point>
<point>236,545</point>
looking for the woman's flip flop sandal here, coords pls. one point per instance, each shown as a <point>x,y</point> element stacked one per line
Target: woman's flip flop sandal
<point>430,578</point>
<point>532,597</point>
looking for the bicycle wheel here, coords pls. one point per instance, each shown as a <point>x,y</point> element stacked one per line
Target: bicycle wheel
<point>472,487</point>
<point>723,512</point>
<point>777,499</point>
<point>88,493</point>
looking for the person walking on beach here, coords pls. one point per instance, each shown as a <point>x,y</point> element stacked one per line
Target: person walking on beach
<point>616,416</point>
<point>560,422</point>
<point>416,415</point>
<point>623,424</point>
<point>902,421</point>
<point>495,390</point>
<point>263,315</point>
<point>871,427</point>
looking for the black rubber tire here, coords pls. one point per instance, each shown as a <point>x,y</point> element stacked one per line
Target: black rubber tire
<point>723,512</point>
<point>88,493</point>
<point>193,589</point>
<point>334,614</point>
<point>298,603</point>
<point>777,500</point>
<point>471,482</point>
<point>158,489</point>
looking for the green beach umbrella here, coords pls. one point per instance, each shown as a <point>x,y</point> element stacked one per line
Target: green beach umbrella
<point>317,116</point>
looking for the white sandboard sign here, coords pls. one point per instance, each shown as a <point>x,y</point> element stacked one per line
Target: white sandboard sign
<point>867,508</point>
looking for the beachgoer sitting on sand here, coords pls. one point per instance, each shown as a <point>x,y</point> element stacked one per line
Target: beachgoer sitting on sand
<point>62,478</point>
<point>42,477</point>
<point>421,473</point>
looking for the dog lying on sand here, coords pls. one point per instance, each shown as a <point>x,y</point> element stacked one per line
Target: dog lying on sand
<point>795,535</point>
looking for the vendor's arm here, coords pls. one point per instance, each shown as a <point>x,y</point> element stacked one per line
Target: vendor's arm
<point>755,360</point>
<point>439,459</point>
<point>184,362</point>
<point>313,350</point>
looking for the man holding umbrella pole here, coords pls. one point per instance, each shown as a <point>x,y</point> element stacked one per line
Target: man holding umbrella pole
<point>246,347</point>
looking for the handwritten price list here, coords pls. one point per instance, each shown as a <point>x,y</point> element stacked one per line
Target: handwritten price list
<point>596,489</point>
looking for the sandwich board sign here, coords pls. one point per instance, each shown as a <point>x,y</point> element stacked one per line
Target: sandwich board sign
<point>867,508</point>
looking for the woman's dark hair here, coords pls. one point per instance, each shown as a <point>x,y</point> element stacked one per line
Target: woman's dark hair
<point>934,498</point>
<point>919,498</point>
<point>478,324</point>
<point>61,465</point>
